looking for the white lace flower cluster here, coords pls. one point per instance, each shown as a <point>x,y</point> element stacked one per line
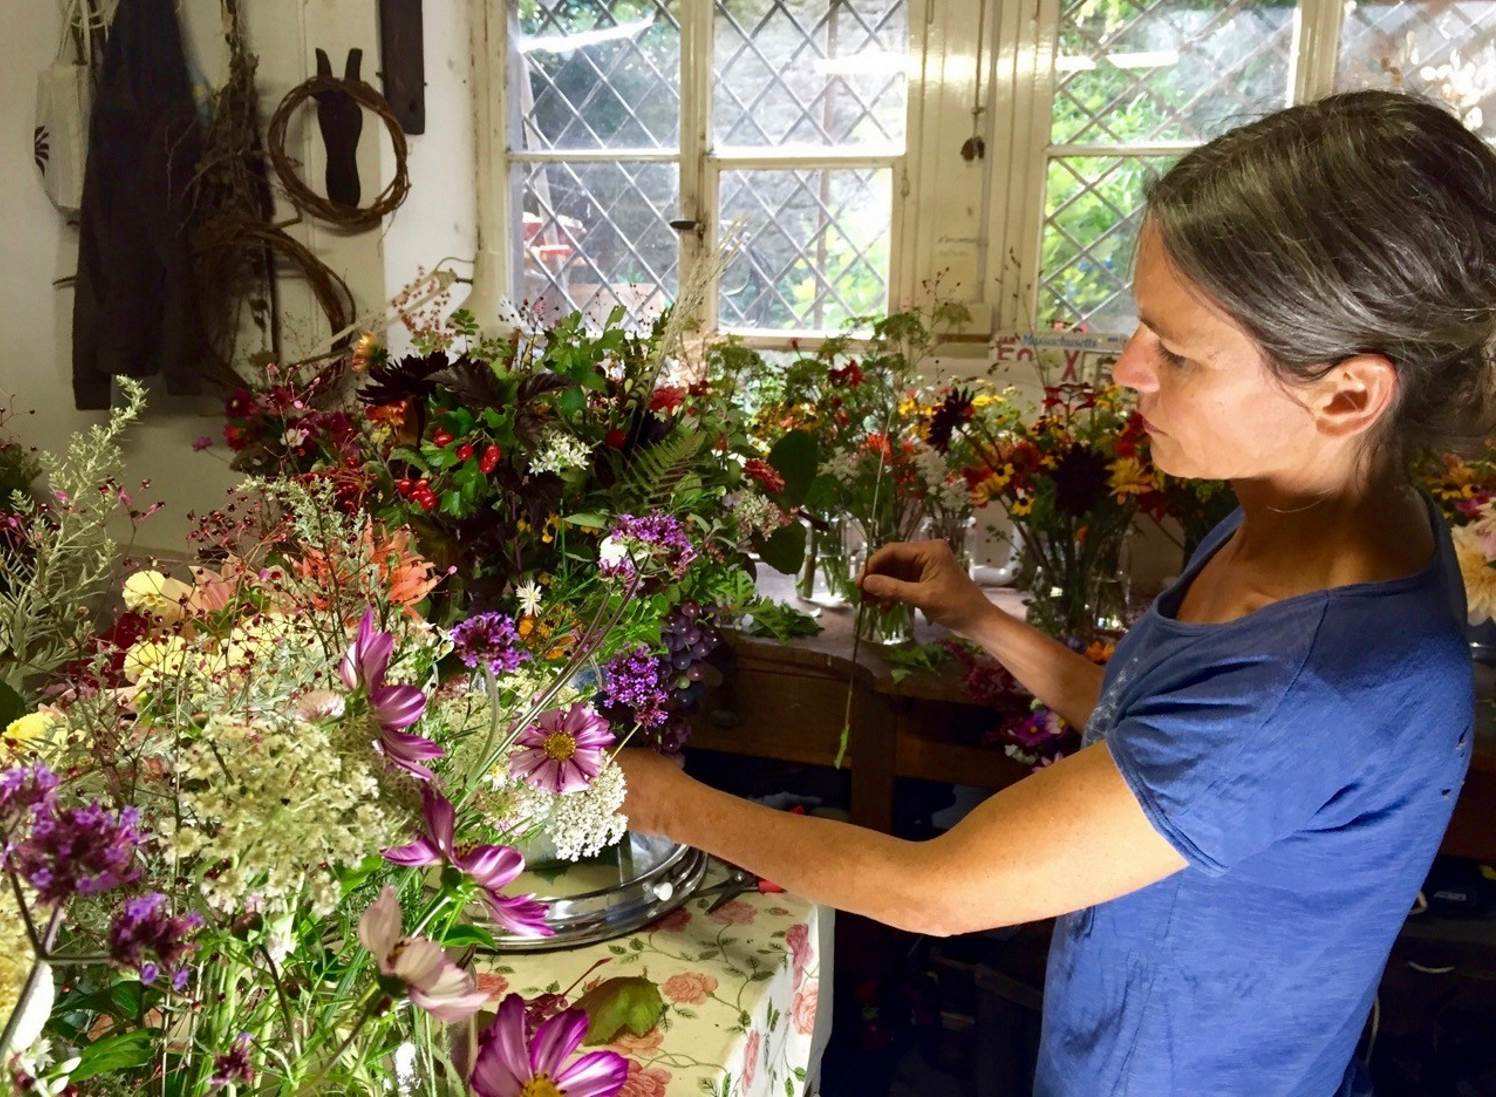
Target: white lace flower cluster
<point>579,824</point>
<point>275,806</point>
<point>756,515</point>
<point>844,466</point>
<point>560,451</point>
<point>947,493</point>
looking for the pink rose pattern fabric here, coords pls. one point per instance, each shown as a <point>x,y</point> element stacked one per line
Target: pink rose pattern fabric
<point>705,965</point>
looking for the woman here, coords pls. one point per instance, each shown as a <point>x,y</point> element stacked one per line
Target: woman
<point>1272,755</point>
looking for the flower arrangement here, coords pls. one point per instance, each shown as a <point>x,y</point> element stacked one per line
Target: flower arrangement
<point>254,830</point>
<point>856,398</point>
<point>1475,548</point>
<point>1072,477</point>
<point>1462,485</point>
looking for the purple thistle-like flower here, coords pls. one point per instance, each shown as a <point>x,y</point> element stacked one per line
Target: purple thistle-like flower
<point>563,750</point>
<point>511,1060</point>
<point>143,926</point>
<point>25,789</point>
<point>633,681</point>
<point>233,1066</point>
<point>78,851</point>
<point>489,640</point>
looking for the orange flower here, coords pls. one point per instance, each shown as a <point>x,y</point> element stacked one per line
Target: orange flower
<point>406,576</point>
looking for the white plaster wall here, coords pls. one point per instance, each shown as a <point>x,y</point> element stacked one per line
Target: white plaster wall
<point>38,246</point>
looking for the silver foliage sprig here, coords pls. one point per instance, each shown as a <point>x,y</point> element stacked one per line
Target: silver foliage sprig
<point>65,555</point>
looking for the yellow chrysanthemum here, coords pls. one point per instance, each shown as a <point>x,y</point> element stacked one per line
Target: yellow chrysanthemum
<point>157,594</point>
<point>149,658</point>
<point>24,733</point>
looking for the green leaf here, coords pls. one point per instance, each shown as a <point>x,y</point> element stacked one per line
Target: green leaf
<point>637,945</point>
<point>460,936</point>
<point>785,550</point>
<point>795,456</point>
<point>823,494</point>
<point>587,521</point>
<point>12,706</point>
<point>631,1002</point>
<point>122,1051</point>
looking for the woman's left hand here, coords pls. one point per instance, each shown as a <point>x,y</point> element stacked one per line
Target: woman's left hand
<point>656,788</point>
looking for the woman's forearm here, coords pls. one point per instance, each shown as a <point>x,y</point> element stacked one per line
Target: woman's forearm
<point>1066,682</point>
<point>836,864</point>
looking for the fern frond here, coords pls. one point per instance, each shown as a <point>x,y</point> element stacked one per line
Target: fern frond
<point>655,472</point>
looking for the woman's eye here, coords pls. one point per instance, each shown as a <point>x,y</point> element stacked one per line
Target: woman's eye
<point>1175,360</point>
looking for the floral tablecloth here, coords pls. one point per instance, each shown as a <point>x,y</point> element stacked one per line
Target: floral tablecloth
<point>746,988</point>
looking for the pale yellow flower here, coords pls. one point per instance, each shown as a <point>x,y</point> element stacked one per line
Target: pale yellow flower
<point>26,732</point>
<point>1479,575</point>
<point>151,658</point>
<point>159,595</point>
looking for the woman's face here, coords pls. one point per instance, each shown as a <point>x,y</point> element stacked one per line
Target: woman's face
<point>1214,410</point>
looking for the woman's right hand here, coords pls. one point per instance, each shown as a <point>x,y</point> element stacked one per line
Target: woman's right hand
<point>925,574</point>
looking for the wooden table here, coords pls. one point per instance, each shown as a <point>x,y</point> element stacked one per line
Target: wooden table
<point>786,701</point>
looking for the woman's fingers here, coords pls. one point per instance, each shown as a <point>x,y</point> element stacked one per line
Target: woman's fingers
<point>894,559</point>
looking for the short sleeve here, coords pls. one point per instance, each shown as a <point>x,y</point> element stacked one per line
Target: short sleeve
<point>1227,759</point>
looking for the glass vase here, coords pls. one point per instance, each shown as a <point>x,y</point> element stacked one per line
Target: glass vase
<point>1078,599</point>
<point>956,530</point>
<point>885,624</point>
<point>837,575</point>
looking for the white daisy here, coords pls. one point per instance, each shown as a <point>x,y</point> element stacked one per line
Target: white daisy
<point>529,597</point>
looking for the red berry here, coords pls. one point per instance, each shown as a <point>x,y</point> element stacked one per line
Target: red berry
<point>403,485</point>
<point>442,436</point>
<point>616,438</point>
<point>465,451</point>
<point>490,459</point>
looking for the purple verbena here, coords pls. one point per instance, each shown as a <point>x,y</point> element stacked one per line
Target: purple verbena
<point>632,681</point>
<point>143,926</point>
<point>25,789</point>
<point>78,851</point>
<point>489,640</point>
<point>660,535</point>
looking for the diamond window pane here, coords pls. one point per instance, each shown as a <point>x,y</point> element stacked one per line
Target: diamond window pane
<point>596,74</point>
<point>1138,71</point>
<point>1093,209</point>
<point>1445,50</point>
<point>824,73</point>
<point>814,247</point>
<point>597,236</point>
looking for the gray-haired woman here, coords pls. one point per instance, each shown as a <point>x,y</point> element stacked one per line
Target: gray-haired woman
<point>1272,755</point>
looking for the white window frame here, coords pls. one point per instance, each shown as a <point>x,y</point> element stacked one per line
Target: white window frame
<point>700,164</point>
<point>1023,110</point>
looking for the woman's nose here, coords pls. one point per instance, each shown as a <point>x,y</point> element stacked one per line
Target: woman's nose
<point>1133,369</point>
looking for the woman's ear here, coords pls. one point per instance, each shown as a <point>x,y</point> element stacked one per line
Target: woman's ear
<point>1355,395</point>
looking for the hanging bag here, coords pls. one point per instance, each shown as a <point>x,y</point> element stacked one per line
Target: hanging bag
<point>64,91</point>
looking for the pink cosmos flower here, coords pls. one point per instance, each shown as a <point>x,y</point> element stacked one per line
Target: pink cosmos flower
<point>433,982</point>
<point>512,1063</point>
<point>490,867</point>
<point>563,750</point>
<point>395,708</point>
